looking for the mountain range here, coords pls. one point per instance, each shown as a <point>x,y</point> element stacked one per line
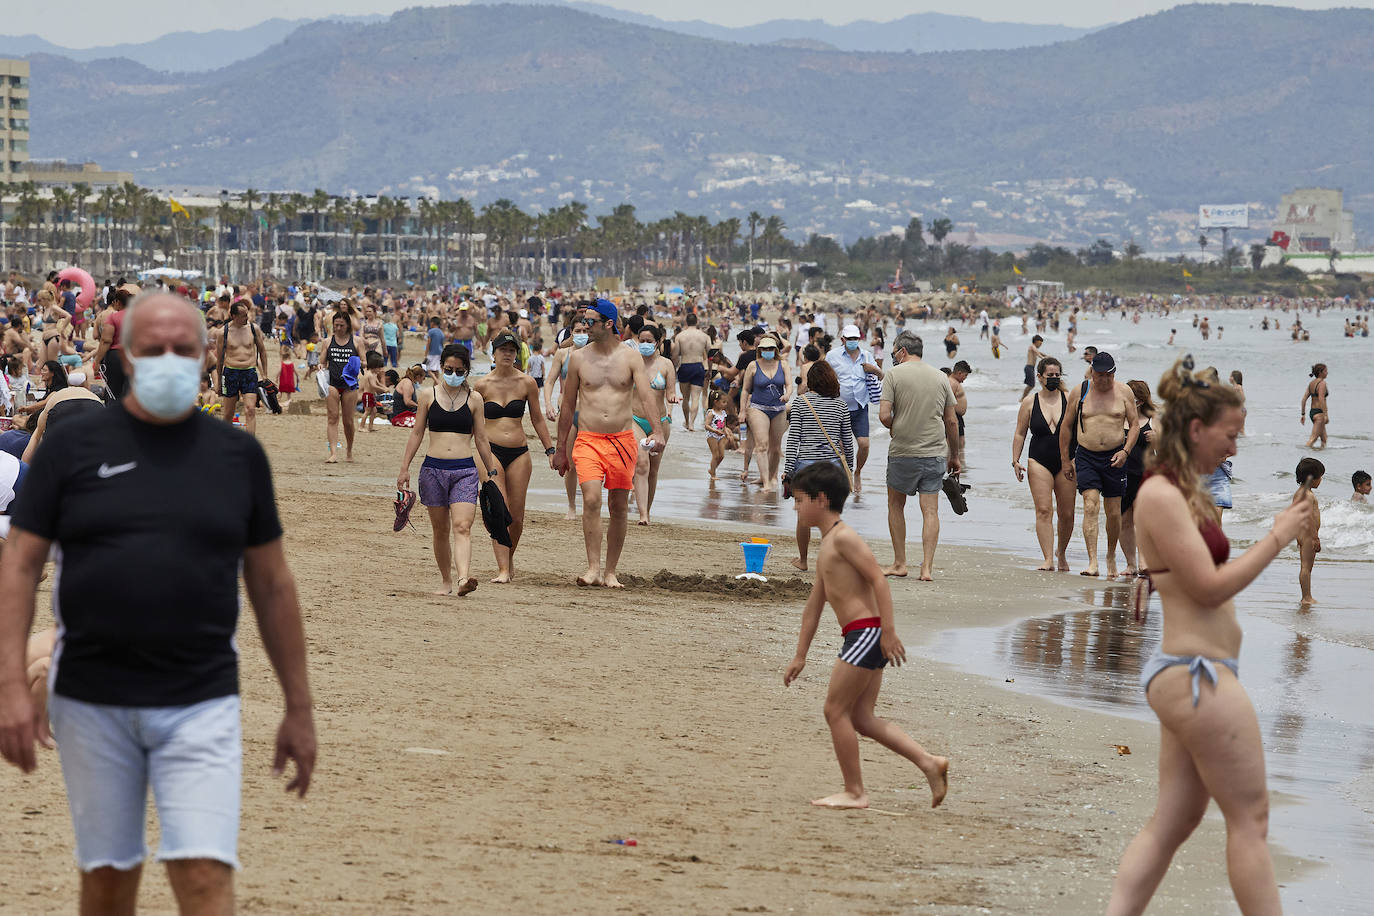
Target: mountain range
<point>1120,133</point>
<point>920,32</point>
<point>176,51</point>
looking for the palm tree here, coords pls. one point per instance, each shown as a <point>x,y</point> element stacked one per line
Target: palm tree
<point>1332,257</point>
<point>81,191</point>
<point>755,217</point>
<point>318,202</point>
<point>63,201</point>
<point>772,235</point>
<point>1202,246</point>
<point>105,209</point>
<point>1256,255</point>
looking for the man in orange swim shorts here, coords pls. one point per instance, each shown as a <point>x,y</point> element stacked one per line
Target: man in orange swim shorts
<point>604,378</point>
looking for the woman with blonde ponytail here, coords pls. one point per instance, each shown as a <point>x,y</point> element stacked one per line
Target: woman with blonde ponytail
<point>1209,745</point>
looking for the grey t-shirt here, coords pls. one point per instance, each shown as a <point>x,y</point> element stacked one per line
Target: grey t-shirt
<point>919,394</point>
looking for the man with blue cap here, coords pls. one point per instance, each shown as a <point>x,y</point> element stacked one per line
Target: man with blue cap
<point>603,380</point>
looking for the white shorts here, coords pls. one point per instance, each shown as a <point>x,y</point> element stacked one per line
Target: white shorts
<point>432,363</point>
<point>191,756</point>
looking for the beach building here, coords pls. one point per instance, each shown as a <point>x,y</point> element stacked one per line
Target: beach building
<point>1315,220</point>
<point>58,173</point>
<point>14,119</point>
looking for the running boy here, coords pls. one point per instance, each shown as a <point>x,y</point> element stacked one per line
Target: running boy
<point>1310,472</point>
<point>847,574</point>
<point>1360,481</point>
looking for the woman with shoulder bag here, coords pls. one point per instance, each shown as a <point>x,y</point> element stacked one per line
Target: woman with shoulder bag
<point>818,430</point>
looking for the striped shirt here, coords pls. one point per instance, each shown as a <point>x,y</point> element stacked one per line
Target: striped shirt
<point>806,441</point>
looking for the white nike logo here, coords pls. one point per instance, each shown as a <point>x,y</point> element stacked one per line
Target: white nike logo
<point>108,471</point>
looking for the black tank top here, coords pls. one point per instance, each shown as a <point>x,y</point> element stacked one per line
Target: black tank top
<point>337,355</point>
<point>450,421</point>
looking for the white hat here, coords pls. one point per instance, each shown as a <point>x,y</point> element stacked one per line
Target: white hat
<point>524,313</point>
<point>850,330</point>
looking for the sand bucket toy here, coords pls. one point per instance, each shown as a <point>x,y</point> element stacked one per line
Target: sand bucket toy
<point>755,552</point>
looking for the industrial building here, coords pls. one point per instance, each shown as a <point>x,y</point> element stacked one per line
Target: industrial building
<point>1314,220</point>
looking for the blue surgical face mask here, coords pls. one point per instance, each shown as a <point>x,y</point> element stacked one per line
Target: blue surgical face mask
<point>851,345</point>
<point>580,340</point>
<point>453,379</point>
<point>647,349</point>
<point>166,385</point>
<point>767,354</point>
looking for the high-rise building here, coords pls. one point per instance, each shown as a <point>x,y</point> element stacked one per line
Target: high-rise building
<point>14,119</point>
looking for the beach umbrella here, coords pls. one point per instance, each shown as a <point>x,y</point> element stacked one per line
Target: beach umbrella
<point>675,290</point>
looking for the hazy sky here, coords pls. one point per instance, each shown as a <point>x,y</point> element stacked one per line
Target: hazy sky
<point>81,23</point>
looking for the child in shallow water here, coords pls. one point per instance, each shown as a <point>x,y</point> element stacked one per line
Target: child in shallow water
<point>1310,472</point>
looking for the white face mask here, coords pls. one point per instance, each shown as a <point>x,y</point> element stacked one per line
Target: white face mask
<point>166,385</point>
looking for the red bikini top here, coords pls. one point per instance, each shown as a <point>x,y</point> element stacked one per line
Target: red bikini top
<point>1212,535</point>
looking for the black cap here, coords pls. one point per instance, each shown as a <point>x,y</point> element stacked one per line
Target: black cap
<point>503,338</point>
<point>1103,362</point>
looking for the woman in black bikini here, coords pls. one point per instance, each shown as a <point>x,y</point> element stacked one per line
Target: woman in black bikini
<point>341,398</point>
<point>1209,737</point>
<point>506,393</point>
<point>451,476</point>
<point>1040,415</point>
<point>1317,391</point>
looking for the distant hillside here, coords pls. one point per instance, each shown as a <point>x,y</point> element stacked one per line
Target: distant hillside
<point>1122,132</point>
<point>919,32</point>
<point>178,51</point>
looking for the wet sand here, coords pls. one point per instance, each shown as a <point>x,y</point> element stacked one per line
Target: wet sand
<point>477,754</point>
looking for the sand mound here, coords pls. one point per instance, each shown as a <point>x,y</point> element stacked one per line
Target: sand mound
<point>794,587</point>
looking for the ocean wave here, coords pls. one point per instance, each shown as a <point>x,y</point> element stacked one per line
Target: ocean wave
<point>1347,527</point>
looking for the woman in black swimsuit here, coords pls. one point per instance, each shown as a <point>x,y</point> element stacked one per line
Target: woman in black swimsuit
<point>1040,415</point>
<point>1135,471</point>
<point>341,398</point>
<point>506,392</point>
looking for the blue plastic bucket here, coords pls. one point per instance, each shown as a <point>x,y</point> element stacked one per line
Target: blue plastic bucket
<point>754,555</point>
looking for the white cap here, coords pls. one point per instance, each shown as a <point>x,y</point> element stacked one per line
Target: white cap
<point>850,330</point>
<point>524,313</point>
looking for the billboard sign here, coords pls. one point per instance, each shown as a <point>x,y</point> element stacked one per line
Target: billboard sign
<point>1223,216</point>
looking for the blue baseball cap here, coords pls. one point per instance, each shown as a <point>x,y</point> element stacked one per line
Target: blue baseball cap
<point>606,309</point>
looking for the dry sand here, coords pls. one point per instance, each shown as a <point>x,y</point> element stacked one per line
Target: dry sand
<point>477,754</point>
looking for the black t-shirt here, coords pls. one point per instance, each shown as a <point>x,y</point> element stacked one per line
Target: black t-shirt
<point>152,522</point>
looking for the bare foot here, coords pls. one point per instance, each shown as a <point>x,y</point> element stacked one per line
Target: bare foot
<point>445,589</point>
<point>502,577</point>
<point>1111,571</point>
<point>349,457</point>
<point>1090,571</point>
<point>610,581</point>
<point>332,459</point>
<point>842,800</point>
<point>745,475</point>
<point>926,575</point>
<point>469,585</point>
<point>570,516</point>
<point>644,522</point>
<point>589,578</point>
<point>1129,574</point>
<point>1047,566</point>
<point>898,570</point>
<point>939,783</point>
<point>1307,602</point>
<point>799,563</point>
<point>858,484</point>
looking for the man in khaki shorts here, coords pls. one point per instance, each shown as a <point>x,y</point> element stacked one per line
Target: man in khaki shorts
<point>917,406</point>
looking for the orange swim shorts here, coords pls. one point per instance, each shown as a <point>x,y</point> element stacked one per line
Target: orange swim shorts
<point>607,457</point>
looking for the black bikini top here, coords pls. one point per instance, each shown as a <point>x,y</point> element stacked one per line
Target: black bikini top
<point>450,421</point>
<point>513,410</point>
